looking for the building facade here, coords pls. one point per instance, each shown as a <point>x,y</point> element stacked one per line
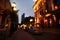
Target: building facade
<point>27,22</point>
<point>22,18</point>
<point>8,16</point>
<point>46,13</point>
<point>4,4</point>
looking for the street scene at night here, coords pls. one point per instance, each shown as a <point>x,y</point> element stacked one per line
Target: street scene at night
<point>29,19</point>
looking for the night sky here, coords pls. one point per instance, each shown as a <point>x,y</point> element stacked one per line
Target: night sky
<point>24,6</point>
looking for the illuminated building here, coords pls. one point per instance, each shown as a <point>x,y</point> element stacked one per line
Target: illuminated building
<point>28,21</point>
<point>4,4</point>
<point>44,10</point>
<point>8,16</point>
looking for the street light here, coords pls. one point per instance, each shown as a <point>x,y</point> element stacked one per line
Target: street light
<point>56,7</point>
<point>14,6</point>
<point>14,9</point>
<point>31,20</point>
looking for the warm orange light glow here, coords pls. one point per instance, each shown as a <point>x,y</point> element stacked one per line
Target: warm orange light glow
<point>42,3</point>
<point>40,15</point>
<point>59,21</point>
<point>31,20</point>
<point>56,7</point>
<point>44,0</point>
<point>52,6</point>
<point>36,5</point>
<point>47,15</point>
<point>24,26</point>
<point>6,25</point>
<point>38,20</point>
<point>45,20</point>
<point>18,26</point>
<point>38,25</point>
<point>45,10</point>
<point>30,25</point>
<point>34,0</point>
<point>34,10</point>
<point>50,21</point>
<point>54,17</point>
<point>14,9</point>
<point>13,4</point>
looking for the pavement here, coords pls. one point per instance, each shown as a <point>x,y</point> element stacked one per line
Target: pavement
<point>47,34</point>
<point>52,30</point>
<point>4,34</point>
<point>21,35</point>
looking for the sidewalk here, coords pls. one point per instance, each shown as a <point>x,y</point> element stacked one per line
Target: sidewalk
<point>51,30</point>
<point>4,35</point>
<point>21,35</point>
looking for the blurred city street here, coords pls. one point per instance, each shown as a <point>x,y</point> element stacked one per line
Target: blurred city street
<point>30,20</point>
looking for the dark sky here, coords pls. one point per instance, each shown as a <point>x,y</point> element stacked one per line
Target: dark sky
<point>24,6</point>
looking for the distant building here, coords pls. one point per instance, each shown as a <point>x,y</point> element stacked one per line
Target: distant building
<point>22,18</point>
<point>28,21</point>
<point>47,13</point>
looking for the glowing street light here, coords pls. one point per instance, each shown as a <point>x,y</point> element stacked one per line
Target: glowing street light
<point>31,20</point>
<point>46,11</point>
<point>14,9</point>
<point>56,7</point>
<point>14,6</point>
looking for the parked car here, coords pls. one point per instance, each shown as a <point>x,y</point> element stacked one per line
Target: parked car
<point>35,31</point>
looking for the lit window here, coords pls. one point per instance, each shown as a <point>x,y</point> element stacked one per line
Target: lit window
<point>50,21</point>
<point>54,17</point>
<point>56,7</point>
<point>45,10</point>
<point>42,3</point>
<point>59,21</point>
<point>47,15</point>
<point>44,0</point>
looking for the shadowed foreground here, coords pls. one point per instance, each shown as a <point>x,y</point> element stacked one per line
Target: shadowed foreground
<point>20,35</point>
